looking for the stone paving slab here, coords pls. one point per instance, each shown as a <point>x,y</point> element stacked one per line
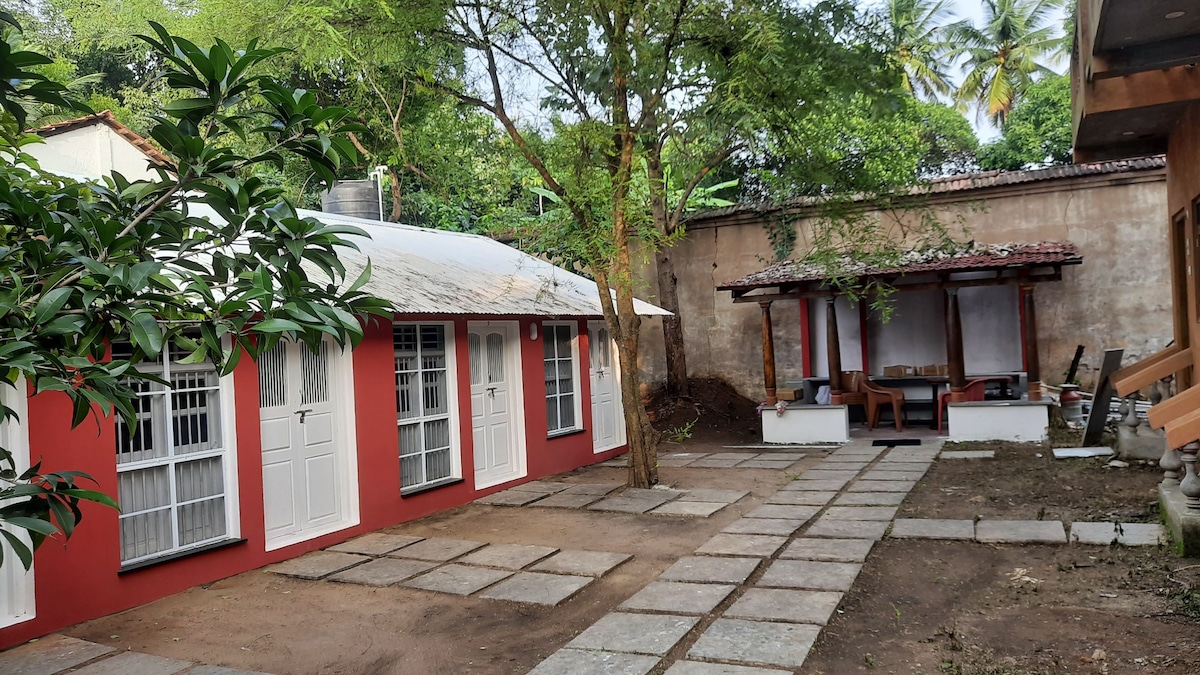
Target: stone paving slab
<point>563,500</point>
<point>133,663</point>
<point>710,463</point>
<point>437,549</point>
<point>781,527</point>
<point>968,454</point>
<point>801,498</point>
<point>581,662</point>
<point>511,497</point>
<point>702,569</point>
<point>586,563</point>
<point>823,474</point>
<point>765,464</point>
<point>757,642</point>
<point>383,572</point>
<point>508,556</point>
<point>816,485</point>
<point>218,670</point>
<point>862,460</point>
<point>689,509</point>
<point>871,499</point>
<point>457,579</point>
<point>1129,534</point>
<point>890,465</point>
<point>51,654</point>
<point>828,550</point>
<point>623,504</point>
<point>376,543</point>
<point>650,493</point>
<point>783,456</point>
<point>537,588</point>
<point>653,634</point>
<point>677,597</point>
<point>762,545</point>
<point>712,495</point>
<point>785,511</point>
<point>840,465</point>
<point>1020,531</point>
<point>912,456</point>
<point>1081,453</point>
<point>932,528</point>
<point>881,474</point>
<point>684,455</point>
<point>615,463</point>
<point>814,575</point>
<point>883,486</point>
<point>599,489</point>
<point>548,487</point>
<point>857,451</point>
<point>847,529</point>
<point>672,461</point>
<point>699,668</point>
<point>317,565</point>
<point>739,456</point>
<point>885,513</point>
<point>773,604</point>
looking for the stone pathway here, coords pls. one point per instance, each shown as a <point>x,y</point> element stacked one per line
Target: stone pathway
<point>539,575</point>
<point>61,654</point>
<point>700,503</point>
<point>722,460</point>
<point>1030,532</point>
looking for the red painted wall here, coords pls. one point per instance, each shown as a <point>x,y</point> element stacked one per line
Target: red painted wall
<point>80,580</point>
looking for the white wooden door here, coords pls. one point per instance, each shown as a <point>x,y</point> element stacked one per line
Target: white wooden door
<point>495,402</point>
<point>608,419</point>
<point>306,484</point>
<point>16,584</point>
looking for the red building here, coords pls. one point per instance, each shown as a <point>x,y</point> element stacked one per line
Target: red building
<point>496,370</point>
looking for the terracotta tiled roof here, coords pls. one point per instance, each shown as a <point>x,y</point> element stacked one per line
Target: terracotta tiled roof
<point>972,257</point>
<point>971,181</point>
<point>106,117</point>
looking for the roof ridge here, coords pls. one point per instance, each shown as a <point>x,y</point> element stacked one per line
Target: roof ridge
<point>107,118</point>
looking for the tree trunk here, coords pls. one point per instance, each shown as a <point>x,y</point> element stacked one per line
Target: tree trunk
<point>668,296</point>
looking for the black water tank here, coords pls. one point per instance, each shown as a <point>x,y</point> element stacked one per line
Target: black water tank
<point>358,198</point>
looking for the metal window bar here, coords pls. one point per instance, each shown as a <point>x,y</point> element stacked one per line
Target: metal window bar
<point>422,403</point>
<point>559,361</point>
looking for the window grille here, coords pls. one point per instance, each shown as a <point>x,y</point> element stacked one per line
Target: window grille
<point>171,463</point>
<point>422,403</point>
<point>558,342</point>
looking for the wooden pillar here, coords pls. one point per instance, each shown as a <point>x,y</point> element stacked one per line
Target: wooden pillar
<point>862,335</point>
<point>834,351</point>
<point>768,343</point>
<point>806,366</point>
<point>954,347</point>
<point>1029,339</point>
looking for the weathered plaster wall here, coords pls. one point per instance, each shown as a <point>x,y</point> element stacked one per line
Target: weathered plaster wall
<point>1119,297</point>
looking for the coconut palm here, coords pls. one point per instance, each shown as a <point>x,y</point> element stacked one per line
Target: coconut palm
<point>1008,53</point>
<point>917,36</point>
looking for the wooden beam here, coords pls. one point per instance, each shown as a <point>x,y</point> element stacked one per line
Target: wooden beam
<point>1183,430</point>
<point>1033,370</point>
<point>768,343</point>
<point>954,347</point>
<point>1133,377</point>
<point>1174,407</point>
<point>1178,51</point>
<point>921,286</point>
<point>833,350</point>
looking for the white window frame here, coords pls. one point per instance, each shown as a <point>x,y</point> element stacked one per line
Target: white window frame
<point>576,387</point>
<point>228,453</point>
<point>17,600</point>
<point>451,413</point>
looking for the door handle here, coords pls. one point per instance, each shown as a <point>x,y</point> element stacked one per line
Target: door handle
<point>302,413</point>
<point>491,392</point>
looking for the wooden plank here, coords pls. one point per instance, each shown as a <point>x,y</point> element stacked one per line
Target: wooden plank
<point>1167,411</point>
<point>1102,397</point>
<point>1183,430</point>
<point>1128,380</point>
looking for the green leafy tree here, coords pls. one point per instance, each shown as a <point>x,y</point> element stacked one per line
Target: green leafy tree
<point>916,38</point>
<point>88,264</point>
<point>1038,132</point>
<point>1007,53</point>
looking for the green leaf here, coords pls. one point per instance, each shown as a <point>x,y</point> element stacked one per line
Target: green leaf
<point>147,334</point>
<point>277,326</point>
<point>50,304</point>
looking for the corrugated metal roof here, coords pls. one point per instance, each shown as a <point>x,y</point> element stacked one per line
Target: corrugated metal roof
<point>423,271</point>
<point>973,258</point>
<point>970,181</point>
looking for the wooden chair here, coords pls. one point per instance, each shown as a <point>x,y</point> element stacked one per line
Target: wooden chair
<point>974,391</point>
<point>875,397</point>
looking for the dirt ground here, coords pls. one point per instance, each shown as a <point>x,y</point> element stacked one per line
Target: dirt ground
<point>714,415</point>
<point>261,621</point>
<point>1025,482</point>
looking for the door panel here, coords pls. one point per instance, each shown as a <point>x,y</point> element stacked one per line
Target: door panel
<point>494,416</point>
<point>608,419</point>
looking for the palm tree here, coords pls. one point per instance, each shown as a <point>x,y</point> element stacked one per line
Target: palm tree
<point>1008,53</point>
<point>917,31</point>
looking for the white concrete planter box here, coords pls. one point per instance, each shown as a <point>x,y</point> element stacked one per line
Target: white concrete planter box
<point>1019,421</point>
<point>806,423</point>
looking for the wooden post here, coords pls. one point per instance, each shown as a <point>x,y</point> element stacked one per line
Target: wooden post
<point>1032,365</point>
<point>768,342</point>
<point>954,348</point>
<point>834,351</point>
<point>805,341</point>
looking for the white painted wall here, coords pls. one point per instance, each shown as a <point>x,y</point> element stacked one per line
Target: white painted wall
<point>806,424</point>
<point>93,151</point>
<point>1018,421</point>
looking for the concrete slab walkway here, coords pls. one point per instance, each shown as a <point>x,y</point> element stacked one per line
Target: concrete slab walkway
<point>56,654</point>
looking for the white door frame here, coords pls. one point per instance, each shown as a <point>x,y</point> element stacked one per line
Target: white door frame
<point>341,393</point>
<point>622,435</point>
<point>17,600</point>
<point>512,358</point>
